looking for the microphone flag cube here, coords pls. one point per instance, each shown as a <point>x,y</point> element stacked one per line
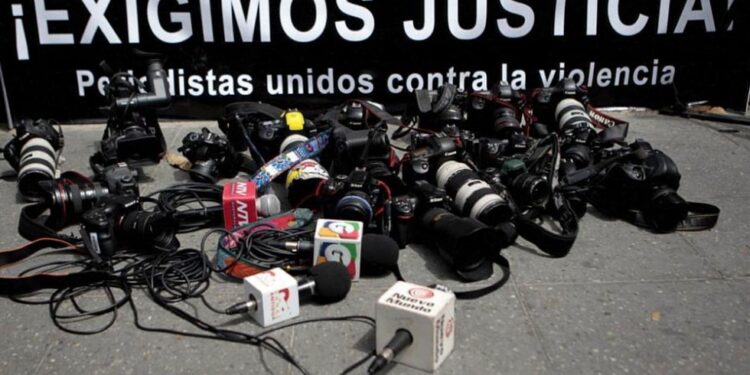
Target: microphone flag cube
<point>276,294</point>
<point>339,241</point>
<point>428,314</point>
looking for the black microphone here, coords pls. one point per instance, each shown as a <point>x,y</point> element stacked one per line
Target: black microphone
<point>400,341</point>
<point>327,283</point>
<point>379,255</point>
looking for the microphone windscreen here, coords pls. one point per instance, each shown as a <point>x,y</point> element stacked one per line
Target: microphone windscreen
<point>332,281</point>
<point>268,205</point>
<point>379,255</point>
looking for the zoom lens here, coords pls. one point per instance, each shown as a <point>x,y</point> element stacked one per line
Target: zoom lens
<point>150,229</point>
<point>38,162</point>
<point>472,196</point>
<point>68,201</point>
<point>571,115</point>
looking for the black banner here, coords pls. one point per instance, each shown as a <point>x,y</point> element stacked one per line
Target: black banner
<point>313,53</point>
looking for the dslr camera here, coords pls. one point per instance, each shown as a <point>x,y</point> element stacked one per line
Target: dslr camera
<point>356,196</point>
<point>645,182</point>
<point>73,194</point>
<point>502,108</point>
<point>261,128</point>
<point>426,152</point>
<point>119,222</point>
<point>213,157</point>
<point>444,107</point>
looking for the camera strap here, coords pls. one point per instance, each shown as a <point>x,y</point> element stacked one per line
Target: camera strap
<point>31,283</point>
<point>701,216</point>
<point>32,225</point>
<point>602,120</point>
<point>498,259</point>
<point>531,226</point>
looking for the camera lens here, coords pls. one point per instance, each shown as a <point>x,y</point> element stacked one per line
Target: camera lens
<point>572,115</point>
<point>506,122</point>
<point>355,205</point>
<point>472,196</point>
<point>38,162</point>
<point>205,171</point>
<point>463,242</point>
<point>144,228</point>
<point>68,201</point>
<point>530,189</point>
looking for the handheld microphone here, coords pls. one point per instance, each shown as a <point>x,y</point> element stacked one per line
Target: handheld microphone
<point>415,326</point>
<point>242,205</point>
<point>379,253</point>
<point>268,205</point>
<point>274,295</point>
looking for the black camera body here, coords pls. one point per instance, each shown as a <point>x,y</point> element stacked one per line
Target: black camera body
<point>261,128</point>
<point>118,222</point>
<point>33,154</point>
<point>408,208</point>
<point>443,107</point>
<point>646,181</point>
<point>133,134</point>
<point>496,113</point>
<point>72,195</point>
<point>212,157</point>
<point>361,148</point>
<point>490,152</point>
<point>426,152</point>
<point>526,188</point>
<point>353,197</point>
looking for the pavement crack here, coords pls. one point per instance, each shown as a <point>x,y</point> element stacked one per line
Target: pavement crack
<point>44,357</point>
<point>535,331</point>
<point>714,267</point>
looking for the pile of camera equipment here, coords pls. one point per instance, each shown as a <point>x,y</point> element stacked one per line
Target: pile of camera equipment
<point>473,172</point>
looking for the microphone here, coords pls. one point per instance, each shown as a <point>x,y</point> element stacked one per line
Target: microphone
<point>274,295</point>
<point>328,282</point>
<point>379,255</point>
<point>415,326</point>
<point>268,205</point>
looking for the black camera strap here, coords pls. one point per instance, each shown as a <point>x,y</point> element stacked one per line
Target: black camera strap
<point>531,226</point>
<point>31,283</point>
<point>498,259</point>
<point>701,216</point>
<point>32,225</point>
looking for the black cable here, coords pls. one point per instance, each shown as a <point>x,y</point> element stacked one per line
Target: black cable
<point>168,277</point>
<point>193,205</point>
<point>360,362</point>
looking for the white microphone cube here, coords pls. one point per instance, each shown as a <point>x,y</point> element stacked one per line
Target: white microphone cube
<point>339,241</point>
<point>428,314</point>
<point>276,294</point>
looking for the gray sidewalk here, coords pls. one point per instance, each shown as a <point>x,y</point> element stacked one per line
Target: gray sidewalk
<point>623,301</point>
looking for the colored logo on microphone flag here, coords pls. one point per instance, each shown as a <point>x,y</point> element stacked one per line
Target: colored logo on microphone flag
<point>340,229</point>
<point>344,253</point>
